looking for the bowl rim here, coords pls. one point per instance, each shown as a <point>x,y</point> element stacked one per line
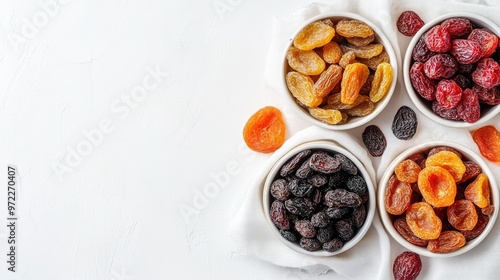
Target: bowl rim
<point>408,59</point>
<point>467,153</point>
<point>332,146</point>
<point>359,121</point>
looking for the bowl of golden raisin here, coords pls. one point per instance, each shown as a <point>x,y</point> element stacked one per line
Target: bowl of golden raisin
<point>340,70</point>
<point>438,199</point>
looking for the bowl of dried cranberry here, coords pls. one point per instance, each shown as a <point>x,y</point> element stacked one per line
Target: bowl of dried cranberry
<point>319,199</point>
<point>339,70</point>
<point>451,69</point>
<point>438,199</point>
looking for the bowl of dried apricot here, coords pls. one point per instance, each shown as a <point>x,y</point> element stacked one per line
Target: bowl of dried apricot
<point>339,71</point>
<point>438,199</point>
<point>319,199</point>
<point>451,69</point>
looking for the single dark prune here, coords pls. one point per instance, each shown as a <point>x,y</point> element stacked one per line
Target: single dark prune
<point>289,167</point>
<point>304,170</point>
<point>342,198</point>
<point>359,216</point>
<point>409,23</point>
<point>404,125</point>
<point>320,219</point>
<point>345,229</point>
<point>300,206</point>
<point>325,234</point>
<point>305,228</point>
<point>333,245</point>
<point>374,140</point>
<point>337,179</point>
<point>289,235</point>
<point>278,215</point>
<point>300,187</point>
<point>407,266</point>
<point>357,185</point>
<point>279,189</point>
<point>337,212</point>
<point>346,164</point>
<point>317,180</point>
<point>310,244</point>
<point>324,163</point>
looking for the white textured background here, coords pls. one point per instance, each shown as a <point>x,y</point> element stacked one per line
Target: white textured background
<point>133,204</point>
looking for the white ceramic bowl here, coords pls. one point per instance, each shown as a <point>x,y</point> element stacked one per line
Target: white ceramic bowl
<point>487,112</point>
<point>467,154</point>
<point>331,147</point>
<point>352,122</point>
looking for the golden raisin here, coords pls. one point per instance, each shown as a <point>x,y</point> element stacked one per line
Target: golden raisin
<point>437,186</point>
<point>381,82</point>
<point>462,215</point>
<point>332,53</point>
<point>397,196</point>
<point>478,191</point>
<point>301,87</point>
<point>265,130</point>
<point>354,28</point>
<point>366,52</point>
<point>327,80</point>
<point>448,241</point>
<point>449,161</point>
<point>334,102</point>
<point>373,62</point>
<point>314,35</point>
<point>360,41</point>
<point>422,221</point>
<point>353,78</point>
<point>346,59</point>
<point>407,171</point>
<point>330,116</point>
<point>364,108</point>
<point>305,62</point>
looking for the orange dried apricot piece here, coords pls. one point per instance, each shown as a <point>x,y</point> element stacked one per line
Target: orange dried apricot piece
<point>462,215</point>
<point>397,196</point>
<point>265,130</point>
<point>422,221</point>
<point>407,171</point>
<point>437,186</point>
<point>478,191</point>
<point>381,82</point>
<point>301,87</point>
<point>305,62</point>
<point>487,139</point>
<point>327,80</point>
<point>449,161</point>
<point>353,78</point>
<point>448,241</point>
<point>332,52</point>
<point>315,34</point>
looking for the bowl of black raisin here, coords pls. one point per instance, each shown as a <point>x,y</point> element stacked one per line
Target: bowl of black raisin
<point>319,199</point>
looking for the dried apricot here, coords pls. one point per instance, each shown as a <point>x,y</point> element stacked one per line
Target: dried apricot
<point>381,82</point>
<point>327,80</point>
<point>301,87</point>
<point>265,130</point>
<point>407,171</point>
<point>462,215</point>
<point>422,221</point>
<point>449,161</point>
<point>478,191</point>
<point>314,35</point>
<point>330,116</point>
<point>397,196</point>
<point>353,78</point>
<point>305,62</point>
<point>332,53</point>
<point>448,241</point>
<point>353,28</point>
<point>487,139</point>
<point>437,186</point>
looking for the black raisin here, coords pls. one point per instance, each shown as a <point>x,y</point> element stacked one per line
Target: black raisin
<point>305,228</point>
<point>310,244</point>
<point>342,198</point>
<point>359,216</point>
<point>333,245</point>
<point>316,196</point>
<point>346,164</point>
<point>345,229</point>
<point>300,206</point>
<point>304,170</point>
<point>337,179</point>
<point>404,125</point>
<point>318,180</point>
<point>357,185</point>
<point>374,140</point>
<point>279,189</point>
<point>289,167</point>
<point>320,219</point>
<point>289,235</point>
<point>337,212</point>
<point>300,188</point>
<point>279,216</point>
<point>324,163</point>
<point>325,234</point>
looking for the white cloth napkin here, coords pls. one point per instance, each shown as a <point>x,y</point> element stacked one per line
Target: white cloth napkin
<point>372,258</point>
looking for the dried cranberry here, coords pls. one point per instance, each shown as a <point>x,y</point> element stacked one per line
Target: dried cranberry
<point>457,27</point>
<point>486,39</point>
<point>440,66</point>
<point>466,51</point>
<point>468,109</point>
<point>487,73</point>
<point>438,39</point>
<point>409,23</point>
<point>448,94</point>
<point>424,85</point>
